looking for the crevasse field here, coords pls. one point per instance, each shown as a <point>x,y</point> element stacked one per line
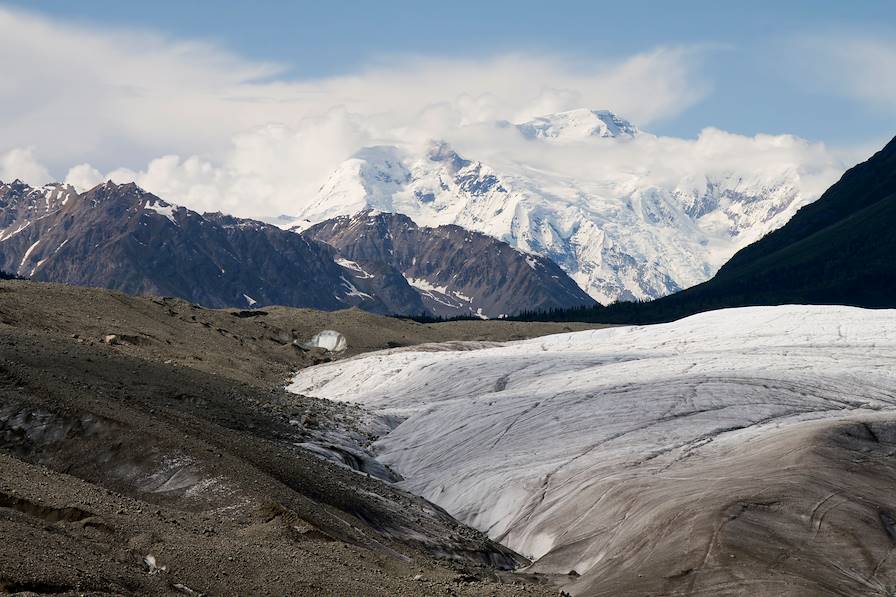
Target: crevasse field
<point>655,452</point>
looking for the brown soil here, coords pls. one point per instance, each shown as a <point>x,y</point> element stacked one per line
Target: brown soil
<point>253,346</point>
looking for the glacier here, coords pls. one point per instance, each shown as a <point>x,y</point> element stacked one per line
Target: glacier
<point>616,452</point>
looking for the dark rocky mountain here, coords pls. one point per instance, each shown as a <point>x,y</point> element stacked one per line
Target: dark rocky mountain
<point>838,250</point>
<point>455,271</point>
<point>123,238</point>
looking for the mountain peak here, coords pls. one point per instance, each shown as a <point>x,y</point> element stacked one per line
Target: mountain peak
<point>49,197</point>
<point>18,185</point>
<point>440,151</point>
<point>130,196</point>
<point>109,185</point>
<point>576,125</point>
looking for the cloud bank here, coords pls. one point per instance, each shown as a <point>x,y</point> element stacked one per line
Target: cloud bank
<point>213,131</point>
<point>72,90</point>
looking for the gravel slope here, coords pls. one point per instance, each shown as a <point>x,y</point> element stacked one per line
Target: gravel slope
<point>175,440</point>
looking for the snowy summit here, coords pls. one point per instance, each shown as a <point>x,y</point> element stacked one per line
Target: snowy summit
<point>576,125</point>
<point>621,234</point>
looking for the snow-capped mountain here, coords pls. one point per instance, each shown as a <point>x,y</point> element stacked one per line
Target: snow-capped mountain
<point>621,235</point>
<point>21,204</point>
<point>837,250</point>
<point>577,125</point>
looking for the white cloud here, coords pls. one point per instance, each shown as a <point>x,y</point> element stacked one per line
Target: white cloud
<point>239,136</point>
<point>266,171</point>
<point>20,163</point>
<point>857,66</point>
<point>83,177</point>
<point>665,161</point>
<point>610,168</point>
<point>122,98</point>
<point>277,170</point>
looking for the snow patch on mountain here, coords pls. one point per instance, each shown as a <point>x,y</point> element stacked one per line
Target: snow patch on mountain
<point>162,208</point>
<point>27,254</point>
<point>358,271</point>
<point>352,291</point>
<point>441,294</point>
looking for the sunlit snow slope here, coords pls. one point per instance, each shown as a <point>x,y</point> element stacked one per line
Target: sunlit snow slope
<point>584,189</point>
<point>744,447</point>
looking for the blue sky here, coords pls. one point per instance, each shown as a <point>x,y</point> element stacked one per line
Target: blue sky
<point>745,58</point>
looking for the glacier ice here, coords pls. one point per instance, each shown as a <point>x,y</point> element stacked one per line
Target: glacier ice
<point>567,448</point>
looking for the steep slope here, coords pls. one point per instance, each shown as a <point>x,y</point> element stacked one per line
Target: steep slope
<point>456,272</point>
<point>120,237</point>
<point>21,204</point>
<point>837,250</point>
<point>621,235</point>
<point>745,451</point>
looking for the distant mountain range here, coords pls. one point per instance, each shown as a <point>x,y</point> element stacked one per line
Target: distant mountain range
<point>839,250</point>
<point>619,235</point>
<point>405,231</point>
<point>121,237</point>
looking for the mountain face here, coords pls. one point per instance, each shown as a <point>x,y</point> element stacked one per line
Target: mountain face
<point>456,271</point>
<point>838,250</point>
<point>620,237</point>
<point>120,237</point>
